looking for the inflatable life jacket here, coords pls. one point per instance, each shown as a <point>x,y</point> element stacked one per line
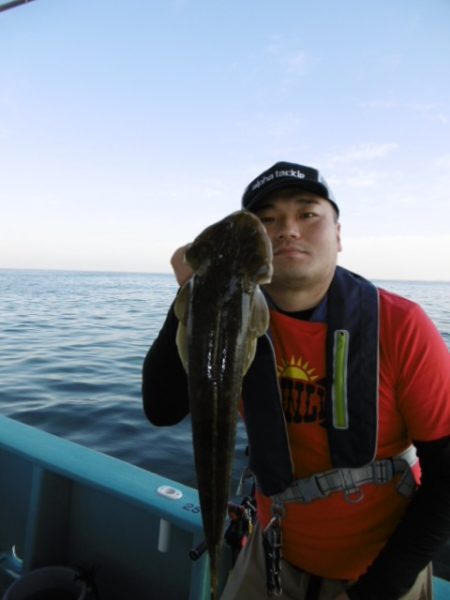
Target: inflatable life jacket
<point>351,311</point>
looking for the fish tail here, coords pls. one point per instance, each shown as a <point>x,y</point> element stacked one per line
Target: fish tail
<point>213,575</point>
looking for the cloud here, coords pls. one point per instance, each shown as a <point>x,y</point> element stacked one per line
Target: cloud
<point>9,111</point>
<point>353,167</point>
<point>178,6</point>
<point>440,118</point>
<point>364,152</point>
<point>394,187</point>
<point>296,63</point>
<point>430,110</point>
<point>291,60</point>
<point>355,180</point>
<point>412,257</point>
<point>392,60</point>
<point>443,162</point>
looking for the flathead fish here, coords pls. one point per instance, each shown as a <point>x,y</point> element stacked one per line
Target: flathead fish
<point>221,313</point>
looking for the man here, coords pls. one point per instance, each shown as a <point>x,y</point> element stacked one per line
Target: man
<point>362,375</point>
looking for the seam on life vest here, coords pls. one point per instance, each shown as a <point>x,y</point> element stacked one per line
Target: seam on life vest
<point>378,374</point>
<point>268,335</point>
<point>339,388</point>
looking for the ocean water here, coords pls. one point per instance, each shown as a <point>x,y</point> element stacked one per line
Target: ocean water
<point>72,347</point>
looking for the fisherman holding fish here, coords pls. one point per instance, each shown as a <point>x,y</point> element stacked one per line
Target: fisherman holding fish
<point>349,385</point>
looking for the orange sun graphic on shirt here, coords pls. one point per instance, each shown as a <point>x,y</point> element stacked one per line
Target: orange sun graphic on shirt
<point>296,370</point>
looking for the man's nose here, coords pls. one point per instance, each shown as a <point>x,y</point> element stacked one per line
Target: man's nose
<point>288,228</point>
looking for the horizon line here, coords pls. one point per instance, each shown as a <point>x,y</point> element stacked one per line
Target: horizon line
<point>122,272</point>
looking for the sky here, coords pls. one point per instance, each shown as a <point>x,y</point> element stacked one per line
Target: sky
<point>128,127</point>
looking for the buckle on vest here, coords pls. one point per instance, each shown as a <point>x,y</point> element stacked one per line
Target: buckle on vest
<point>310,489</point>
<point>350,481</point>
<point>352,492</point>
<point>382,471</point>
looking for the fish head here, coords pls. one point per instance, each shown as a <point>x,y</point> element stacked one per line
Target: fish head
<point>238,242</point>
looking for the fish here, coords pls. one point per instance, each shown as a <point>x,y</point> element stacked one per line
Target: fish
<point>221,312</point>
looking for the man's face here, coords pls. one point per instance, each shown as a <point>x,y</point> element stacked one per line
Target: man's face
<point>305,237</point>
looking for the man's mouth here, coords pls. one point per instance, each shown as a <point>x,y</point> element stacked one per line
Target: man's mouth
<point>289,251</point>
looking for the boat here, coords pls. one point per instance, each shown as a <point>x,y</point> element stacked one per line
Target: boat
<point>129,532</point>
<point>122,531</point>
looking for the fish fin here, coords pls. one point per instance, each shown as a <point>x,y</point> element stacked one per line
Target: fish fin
<point>181,308</point>
<point>260,316</point>
<point>259,323</point>
<point>182,344</point>
<point>181,305</point>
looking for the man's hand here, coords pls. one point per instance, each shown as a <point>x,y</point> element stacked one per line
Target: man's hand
<point>180,267</point>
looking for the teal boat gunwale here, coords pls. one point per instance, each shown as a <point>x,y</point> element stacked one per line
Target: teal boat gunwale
<point>56,484</point>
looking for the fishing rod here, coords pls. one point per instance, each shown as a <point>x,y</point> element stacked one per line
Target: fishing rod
<point>13,4</point>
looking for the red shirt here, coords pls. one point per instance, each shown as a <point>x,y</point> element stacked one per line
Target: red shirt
<point>332,537</point>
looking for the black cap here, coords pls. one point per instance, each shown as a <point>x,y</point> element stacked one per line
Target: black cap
<point>283,175</point>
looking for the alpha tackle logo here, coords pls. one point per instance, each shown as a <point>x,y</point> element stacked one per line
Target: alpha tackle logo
<point>302,394</point>
<point>279,173</point>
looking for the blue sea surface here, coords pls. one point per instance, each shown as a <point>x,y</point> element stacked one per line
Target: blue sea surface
<point>72,347</point>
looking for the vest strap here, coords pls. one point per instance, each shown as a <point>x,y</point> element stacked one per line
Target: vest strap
<point>350,480</point>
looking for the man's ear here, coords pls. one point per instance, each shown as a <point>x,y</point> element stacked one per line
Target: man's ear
<point>338,237</point>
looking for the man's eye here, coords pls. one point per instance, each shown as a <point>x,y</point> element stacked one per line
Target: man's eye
<point>266,219</point>
<point>308,215</point>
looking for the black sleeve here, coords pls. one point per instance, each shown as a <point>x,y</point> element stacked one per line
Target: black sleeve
<point>422,532</point>
<point>164,381</point>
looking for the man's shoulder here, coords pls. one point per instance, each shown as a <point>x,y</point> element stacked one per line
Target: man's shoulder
<point>392,302</point>
<point>402,318</point>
